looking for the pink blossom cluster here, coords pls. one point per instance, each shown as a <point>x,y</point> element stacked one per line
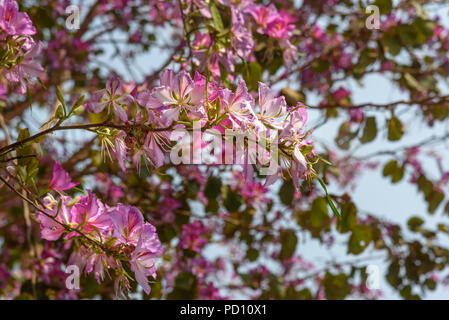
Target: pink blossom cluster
<point>194,236</point>
<point>121,230</point>
<point>18,64</point>
<point>245,16</point>
<point>180,100</point>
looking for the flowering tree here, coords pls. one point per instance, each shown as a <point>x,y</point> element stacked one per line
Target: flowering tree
<point>196,178</point>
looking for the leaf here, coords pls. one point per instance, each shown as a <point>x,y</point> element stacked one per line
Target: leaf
<point>319,214</point>
<point>434,200</point>
<point>185,280</point>
<point>286,193</point>
<point>370,130</point>
<point>216,17</point>
<point>336,287</point>
<point>252,254</point>
<point>395,129</point>
<point>231,200</point>
<point>252,75</point>
<point>360,239</point>
<point>414,223</point>
<point>288,241</point>
<point>60,96</point>
<point>391,44</point>
<point>385,6</point>
<point>329,200</point>
<point>412,82</point>
<point>213,188</point>
<point>392,169</point>
<point>348,217</point>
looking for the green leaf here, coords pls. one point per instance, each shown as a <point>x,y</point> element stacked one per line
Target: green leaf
<point>391,44</point>
<point>288,241</point>
<point>336,287</point>
<point>392,169</point>
<point>385,6</point>
<point>216,17</point>
<point>231,200</point>
<point>395,129</point>
<point>434,200</point>
<point>185,280</point>
<point>286,193</point>
<point>360,239</point>
<point>414,223</point>
<point>348,217</point>
<point>252,254</point>
<point>319,215</point>
<point>412,82</point>
<point>213,188</point>
<point>370,130</point>
<point>329,200</point>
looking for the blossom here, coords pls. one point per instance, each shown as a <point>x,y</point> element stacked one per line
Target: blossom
<point>128,223</point>
<point>13,22</point>
<point>27,67</point>
<point>52,229</point>
<point>142,259</point>
<point>262,15</point>
<point>60,179</point>
<point>272,108</point>
<point>90,212</point>
<point>176,93</point>
<point>238,104</point>
<point>112,97</point>
<point>194,236</point>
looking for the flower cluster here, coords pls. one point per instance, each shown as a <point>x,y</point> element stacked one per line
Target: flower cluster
<point>245,16</point>
<point>169,112</point>
<point>107,235</point>
<point>19,50</point>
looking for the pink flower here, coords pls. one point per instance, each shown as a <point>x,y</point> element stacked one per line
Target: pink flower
<point>194,236</point>
<point>128,223</point>
<point>60,179</point>
<point>263,15</point>
<point>272,108</point>
<point>356,115</point>
<point>176,93</point>
<point>13,22</point>
<point>111,97</point>
<point>341,93</point>
<point>142,259</point>
<point>52,230</point>
<point>90,212</point>
<point>27,68</point>
<point>239,105</point>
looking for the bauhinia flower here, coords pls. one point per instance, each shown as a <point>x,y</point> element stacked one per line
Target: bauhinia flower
<point>272,109</point>
<point>13,22</point>
<point>128,223</point>
<point>112,97</point>
<point>239,105</point>
<point>27,67</point>
<point>52,230</point>
<point>176,93</point>
<point>89,212</point>
<point>60,179</point>
<point>143,258</point>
